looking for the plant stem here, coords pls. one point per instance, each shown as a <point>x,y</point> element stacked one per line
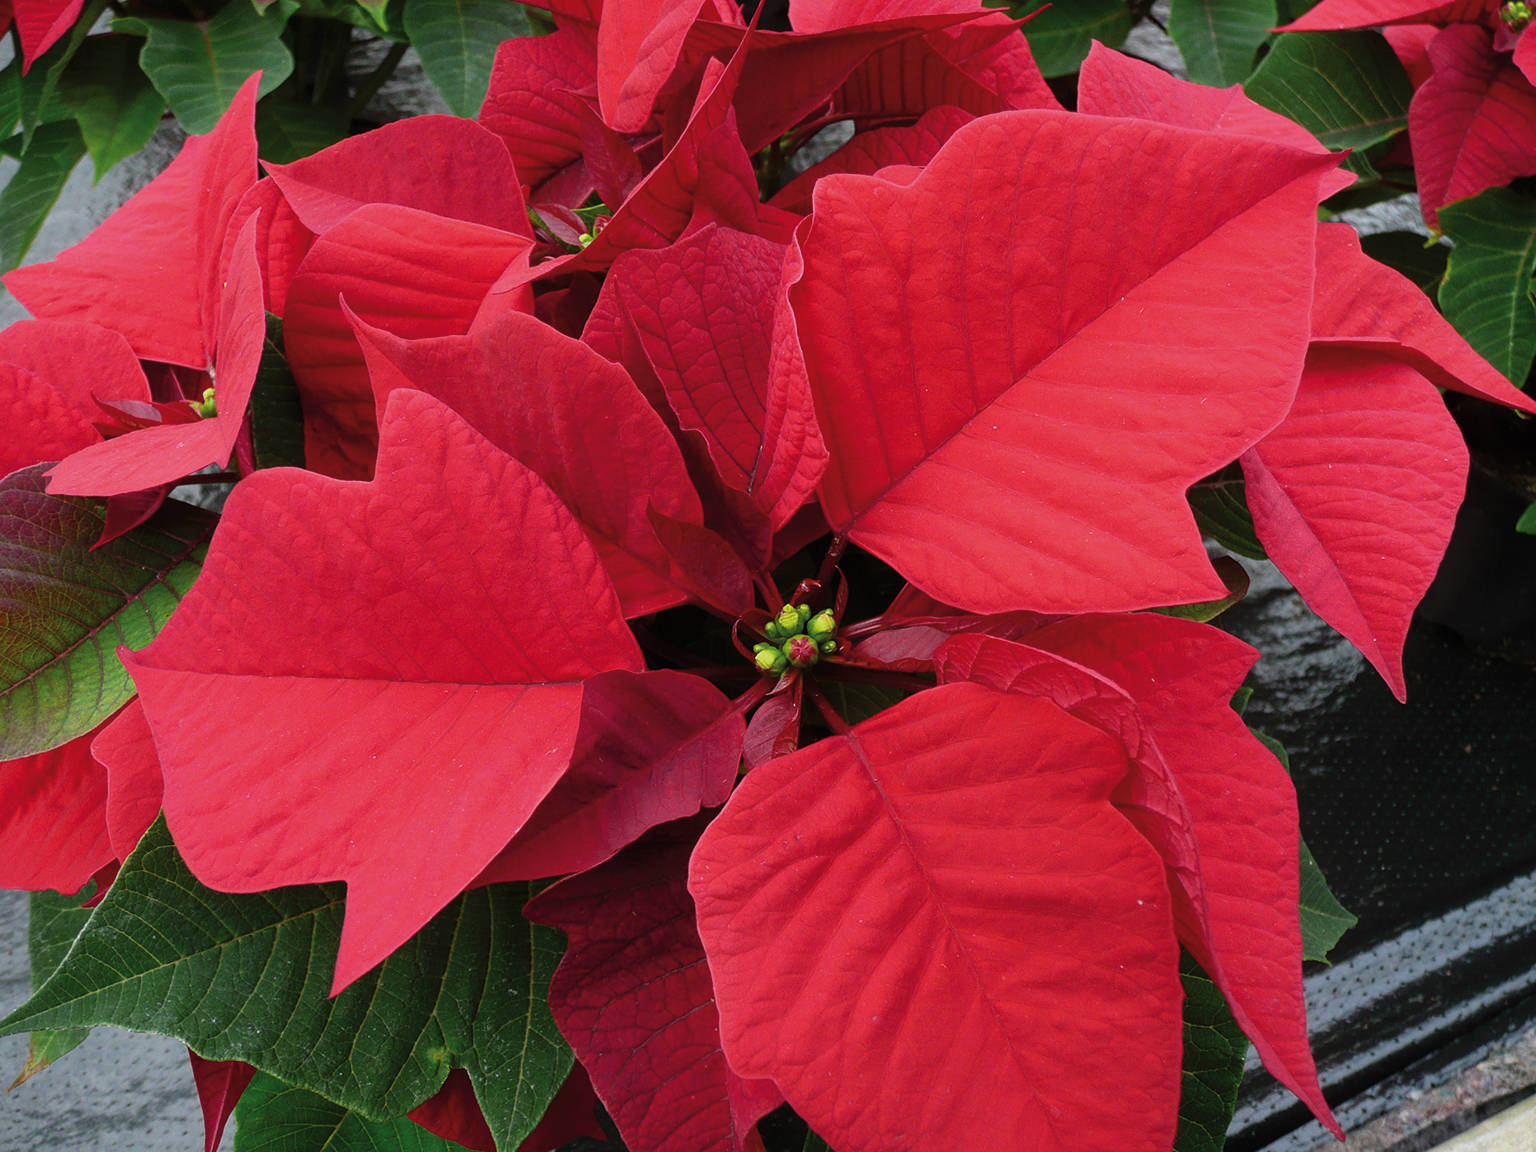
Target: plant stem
<point>375,80</point>
<point>830,714</point>
<point>829,561</point>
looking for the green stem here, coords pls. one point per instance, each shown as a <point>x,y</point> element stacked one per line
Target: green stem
<point>366,90</point>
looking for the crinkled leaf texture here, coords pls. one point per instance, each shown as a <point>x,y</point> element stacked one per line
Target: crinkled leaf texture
<point>937,931</point>
<point>1000,428</point>
<point>168,955</point>
<point>633,996</point>
<point>430,698</point>
<point>69,606</point>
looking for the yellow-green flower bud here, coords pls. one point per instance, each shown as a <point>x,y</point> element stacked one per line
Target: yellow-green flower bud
<point>804,611</point>
<point>828,647</point>
<point>789,621</point>
<point>770,660</point>
<point>773,631</point>
<point>207,409</point>
<point>801,651</point>
<point>822,626</point>
<point>1516,14</point>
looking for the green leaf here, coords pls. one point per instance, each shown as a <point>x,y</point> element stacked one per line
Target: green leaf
<point>1323,919</point>
<point>1220,505</point>
<point>1487,293</point>
<point>856,703</point>
<point>115,104</point>
<point>1421,260</point>
<point>457,42</point>
<point>1059,38</point>
<point>67,608</point>
<point>1346,88</point>
<point>277,414</point>
<point>1233,575</point>
<point>199,65</point>
<point>53,922</point>
<point>276,1117</point>
<point>72,43</point>
<point>247,977</point>
<point>37,98</point>
<point>1214,1051</point>
<point>1527,521</point>
<point>34,187</point>
<point>289,132</point>
<point>814,1143</point>
<point>1219,38</point>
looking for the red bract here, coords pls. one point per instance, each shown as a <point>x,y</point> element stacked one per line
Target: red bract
<point>53,829</point>
<point>125,747</point>
<point>219,1086</point>
<point>1032,360</point>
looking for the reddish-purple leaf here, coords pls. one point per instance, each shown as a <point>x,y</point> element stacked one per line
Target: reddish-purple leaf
<point>574,418</point>
<point>454,1114</point>
<point>414,273</point>
<point>53,826</point>
<point>633,997</point>
<point>220,1084</point>
<point>998,430</point>
<point>572,1113</point>
<point>775,727</point>
<point>651,747</point>
<point>1473,122</point>
<point>951,868</point>
<point>704,563</point>
<point>1355,494</point>
<point>430,699</point>
<point>126,749</point>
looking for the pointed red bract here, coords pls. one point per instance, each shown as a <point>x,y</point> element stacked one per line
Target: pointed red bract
<point>950,868</point>
<point>417,274</point>
<point>1473,122</point>
<point>998,431</point>
<point>40,23</point>
<point>638,43</point>
<point>575,419</point>
<point>53,826</point>
<point>633,997</point>
<point>125,747</point>
<point>220,1084</point>
<point>431,696</point>
<point>1355,494</point>
<point>534,104</point>
<point>454,1114</point>
<point>1331,14</point>
<point>572,1113</point>
<point>651,747</point>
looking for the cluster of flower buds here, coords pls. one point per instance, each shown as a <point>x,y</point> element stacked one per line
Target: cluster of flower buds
<point>1516,14</point>
<point>797,639</point>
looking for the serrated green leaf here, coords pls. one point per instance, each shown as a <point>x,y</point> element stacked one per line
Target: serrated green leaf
<point>53,922</point>
<point>1059,38</point>
<point>457,42</point>
<point>277,413</point>
<point>856,703</point>
<point>1346,88</point>
<point>199,65</point>
<point>68,608</point>
<point>1214,1051</point>
<point>247,977</point>
<point>34,187</point>
<point>276,1117</point>
<point>1219,38</point>
<point>1220,505</point>
<point>1422,261</point>
<point>289,132</point>
<point>115,104</point>
<point>1488,290</point>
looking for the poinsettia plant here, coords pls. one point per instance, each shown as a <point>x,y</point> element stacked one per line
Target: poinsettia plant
<point>699,638</point>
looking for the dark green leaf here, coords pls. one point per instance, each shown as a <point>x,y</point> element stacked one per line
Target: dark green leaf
<point>1421,260</point>
<point>67,608</point>
<point>72,43</point>
<point>457,41</point>
<point>1240,699</point>
<point>277,414</point>
<point>858,702</point>
<point>34,187</point>
<point>1214,1051</point>
<point>1346,88</point>
<point>1221,510</point>
<point>814,1143</point>
<point>1060,36</point>
<point>1219,38</point>
<point>1289,10</point>
<point>276,1117</point>
<point>199,65</point>
<point>37,99</point>
<point>247,977</point>
<point>1527,521</point>
<point>1487,293</point>
<point>116,105</point>
<point>53,922</point>
<point>289,132</point>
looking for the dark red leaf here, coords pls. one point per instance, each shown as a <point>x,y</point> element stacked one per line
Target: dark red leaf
<point>220,1084</point>
<point>572,1113</point>
<point>127,510</point>
<point>704,563</point>
<point>454,1114</point>
<point>775,727</point>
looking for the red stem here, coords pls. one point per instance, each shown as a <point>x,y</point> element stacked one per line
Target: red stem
<point>830,714</point>
<point>829,561</point>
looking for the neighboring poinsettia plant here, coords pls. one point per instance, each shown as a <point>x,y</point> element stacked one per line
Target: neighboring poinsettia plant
<point>692,638</point>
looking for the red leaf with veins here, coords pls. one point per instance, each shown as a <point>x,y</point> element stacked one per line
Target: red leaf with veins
<point>220,1084</point>
<point>574,418</point>
<point>419,274</point>
<point>53,829</point>
<point>1473,122</point>
<point>1113,84</point>
<point>1042,461</point>
<point>638,43</point>
<point>633,997</point>
<point>950,868</point>
<point>775,727</point>
<point>705,564</point>
<point>431,697</point>
<point>704,312</point>
<point>152,457</point>
<point>125,747</point>
<point>281,240</point>
<point>1363,304</point>
<point>868,152</point>
<point>79,361</point>
<point>1181,676</point>
<point>444,165</point>
<point>651,747</point>
<point>1331,14</point>
<point>534,105</point>
<point>1355,494</point>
